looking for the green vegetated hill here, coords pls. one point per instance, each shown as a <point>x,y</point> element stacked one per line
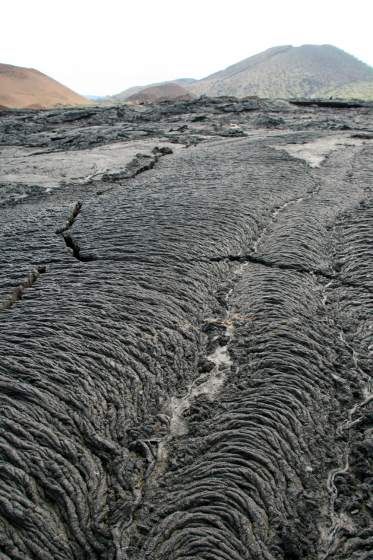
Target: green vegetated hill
<point>286,71</point>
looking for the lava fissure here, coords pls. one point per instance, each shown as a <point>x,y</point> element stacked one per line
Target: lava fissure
<point>19,292</point>
<point>71,219</point>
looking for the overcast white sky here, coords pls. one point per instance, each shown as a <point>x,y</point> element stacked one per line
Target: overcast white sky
<point>104,46</point>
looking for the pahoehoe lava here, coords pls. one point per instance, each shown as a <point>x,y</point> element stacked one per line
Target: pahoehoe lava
<point>186,341</point>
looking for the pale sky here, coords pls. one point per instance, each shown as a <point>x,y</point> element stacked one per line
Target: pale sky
<point>102,47</point>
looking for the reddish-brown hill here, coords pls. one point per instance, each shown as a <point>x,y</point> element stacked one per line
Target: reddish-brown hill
<point>159,93</point>
<point>26,87</point>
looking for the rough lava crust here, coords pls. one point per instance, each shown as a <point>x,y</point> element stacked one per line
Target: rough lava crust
<point>186,304</point>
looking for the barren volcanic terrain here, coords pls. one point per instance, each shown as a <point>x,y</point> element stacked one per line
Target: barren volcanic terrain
<point>285,72</point>
<point>157,94</point>
<point>186,303</point>
<point>29,88</point>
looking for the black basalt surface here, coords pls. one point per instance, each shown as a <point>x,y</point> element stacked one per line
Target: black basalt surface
<point>186,332</point>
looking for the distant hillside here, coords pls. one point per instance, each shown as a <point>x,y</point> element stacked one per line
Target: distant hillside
<point>136,89</point>
<point>95,97</point>
<point>26,87</point>
<point>156,94</point>
<point>286,71</point>
<point>352,90</point>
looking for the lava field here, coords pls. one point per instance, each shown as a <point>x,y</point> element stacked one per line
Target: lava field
<point>186,331</point>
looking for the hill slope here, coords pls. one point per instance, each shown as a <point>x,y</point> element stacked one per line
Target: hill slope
<point>183,82</point>
<point>26,87</point>
<point>286,71</point>
<point>160,93</point>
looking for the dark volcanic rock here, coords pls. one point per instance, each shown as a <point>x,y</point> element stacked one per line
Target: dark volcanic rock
<point>186,334</point>
<point>267,121</point>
